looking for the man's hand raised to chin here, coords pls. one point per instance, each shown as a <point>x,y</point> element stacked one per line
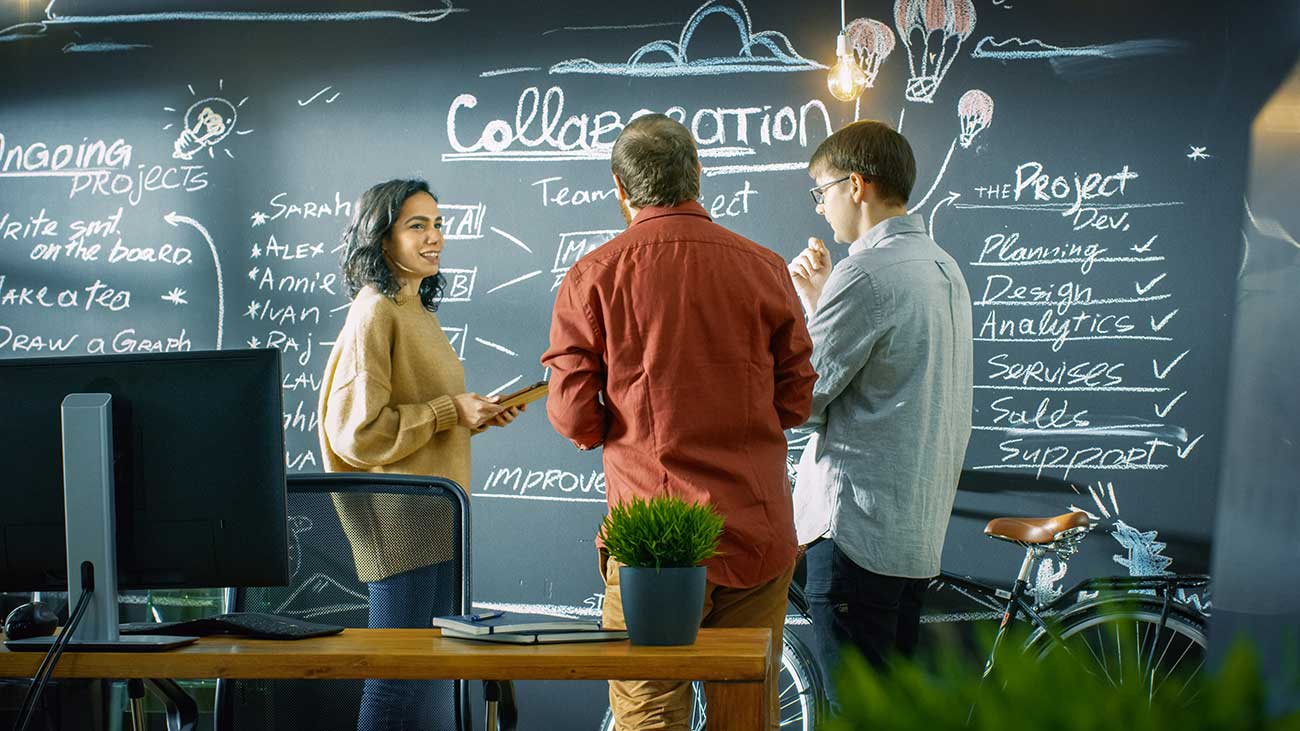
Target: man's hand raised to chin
<point>809,271</point>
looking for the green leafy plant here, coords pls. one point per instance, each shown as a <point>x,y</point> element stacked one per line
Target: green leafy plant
<point>945,692</point>
<point>662,532</point>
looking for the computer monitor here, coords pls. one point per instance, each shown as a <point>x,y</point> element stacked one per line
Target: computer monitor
<point>197,464</point>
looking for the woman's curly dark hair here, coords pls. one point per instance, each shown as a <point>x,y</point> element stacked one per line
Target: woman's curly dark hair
<point>363,242</point>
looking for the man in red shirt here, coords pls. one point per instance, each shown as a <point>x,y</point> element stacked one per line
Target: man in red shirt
<point>680,347</point>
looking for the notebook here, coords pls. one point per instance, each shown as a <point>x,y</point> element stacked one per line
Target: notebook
<point>540,638</point>
<point>486,623</point>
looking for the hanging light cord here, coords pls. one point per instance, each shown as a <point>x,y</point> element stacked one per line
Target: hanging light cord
<point>842,26</point>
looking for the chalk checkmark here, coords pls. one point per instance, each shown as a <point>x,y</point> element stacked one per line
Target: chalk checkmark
<point>1162,413</point>
<point>1152,283</point>
<point>1182,453</point>
<point>1158,326</point>
<point>1161,373</point>
<point>1144,248</point>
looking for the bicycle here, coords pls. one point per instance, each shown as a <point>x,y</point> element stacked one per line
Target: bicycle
<point>1087,615</point>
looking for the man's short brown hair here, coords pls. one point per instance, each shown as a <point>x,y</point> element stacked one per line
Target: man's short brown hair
<point>655,158</point>
<point>873,150</point>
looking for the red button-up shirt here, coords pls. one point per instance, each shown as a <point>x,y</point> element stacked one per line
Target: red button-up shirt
<point>681,347</point>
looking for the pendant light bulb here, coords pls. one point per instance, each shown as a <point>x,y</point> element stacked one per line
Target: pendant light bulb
<point>846,80</point>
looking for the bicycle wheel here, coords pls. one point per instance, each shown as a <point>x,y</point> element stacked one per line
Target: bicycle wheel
<point>799,683</point>
<point>802,694</point>
<point>1118,633</point>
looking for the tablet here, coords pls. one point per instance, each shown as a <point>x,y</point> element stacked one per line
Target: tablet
<point>525,395</point>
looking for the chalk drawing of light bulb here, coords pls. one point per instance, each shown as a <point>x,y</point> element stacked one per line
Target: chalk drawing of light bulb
<point>207,122</point>
<point>975,111</point>
<point>932,31</point>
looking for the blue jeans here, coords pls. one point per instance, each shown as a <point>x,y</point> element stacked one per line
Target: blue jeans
<point>878,615</point>
<point>406,600</point>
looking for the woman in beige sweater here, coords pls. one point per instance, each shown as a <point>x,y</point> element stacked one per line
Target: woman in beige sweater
<point>393,400</point>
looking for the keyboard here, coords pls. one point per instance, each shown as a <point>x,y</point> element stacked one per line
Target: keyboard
<point>245,624</point>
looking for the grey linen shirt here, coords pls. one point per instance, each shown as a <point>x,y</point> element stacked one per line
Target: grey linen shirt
<point>892,406</point>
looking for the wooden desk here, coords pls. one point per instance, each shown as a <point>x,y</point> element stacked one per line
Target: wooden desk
<point>736,658</point>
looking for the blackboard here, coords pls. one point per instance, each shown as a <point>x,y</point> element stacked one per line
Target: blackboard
<point>1091,190</point>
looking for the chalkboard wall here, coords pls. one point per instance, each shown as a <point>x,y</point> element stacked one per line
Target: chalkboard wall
<point>175,175</point>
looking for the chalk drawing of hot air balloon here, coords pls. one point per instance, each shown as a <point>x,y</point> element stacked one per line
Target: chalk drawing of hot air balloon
<point>871,42</point>
<point>975,110</point>
<point>932,31</point>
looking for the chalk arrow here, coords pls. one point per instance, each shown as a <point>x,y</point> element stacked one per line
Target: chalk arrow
<point>935,185</point>
<point>177,219</point>
<point>948,199</point>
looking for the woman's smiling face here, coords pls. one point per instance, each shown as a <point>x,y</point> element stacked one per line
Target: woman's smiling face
<point>413,246</point>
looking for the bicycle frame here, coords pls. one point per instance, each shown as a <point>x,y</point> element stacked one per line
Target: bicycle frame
<point>1014,598</point>
<point>1016,604</point>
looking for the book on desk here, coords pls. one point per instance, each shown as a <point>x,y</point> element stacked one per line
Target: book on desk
<point>540,638</point>
<point>487,623</point>
<point>523,629</point>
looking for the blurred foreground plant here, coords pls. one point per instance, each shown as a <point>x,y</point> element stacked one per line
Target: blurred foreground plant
<point>1055,693</point>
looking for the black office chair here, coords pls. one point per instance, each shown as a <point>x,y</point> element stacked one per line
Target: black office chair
<point>323,587</point>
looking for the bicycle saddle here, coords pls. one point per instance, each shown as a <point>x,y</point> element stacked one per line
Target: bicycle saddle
<point>1037,531</point>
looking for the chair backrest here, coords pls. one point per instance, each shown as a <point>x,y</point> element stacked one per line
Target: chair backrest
<point>324,587</point>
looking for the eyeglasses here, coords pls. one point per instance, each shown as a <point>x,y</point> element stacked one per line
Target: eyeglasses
<point>818,193</point>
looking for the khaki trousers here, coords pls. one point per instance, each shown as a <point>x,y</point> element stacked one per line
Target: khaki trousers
<point>645,705</point>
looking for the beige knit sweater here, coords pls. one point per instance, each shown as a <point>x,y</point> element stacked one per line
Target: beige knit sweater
<point>386,406</point>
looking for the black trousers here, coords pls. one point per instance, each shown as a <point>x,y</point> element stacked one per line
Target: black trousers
<point>878,615</point>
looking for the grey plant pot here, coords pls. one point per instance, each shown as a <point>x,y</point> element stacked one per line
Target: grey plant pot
<point>662,606</point>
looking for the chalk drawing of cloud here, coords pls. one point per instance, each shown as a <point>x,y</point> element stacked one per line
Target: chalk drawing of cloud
<point>766,50</point>
<point>38,29</point>
<point>1015,49</point>
<point>1078,62</point>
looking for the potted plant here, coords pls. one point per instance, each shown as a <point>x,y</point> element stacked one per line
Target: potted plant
<point>662,542</point>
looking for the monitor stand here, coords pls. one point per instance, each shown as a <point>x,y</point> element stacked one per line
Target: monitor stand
<point>90,523</point>
<point>128,643</point>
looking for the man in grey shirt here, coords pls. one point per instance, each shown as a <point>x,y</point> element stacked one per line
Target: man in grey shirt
<point>892,347</point>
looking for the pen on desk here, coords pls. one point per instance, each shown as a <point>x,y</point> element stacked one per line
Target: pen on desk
<point>483,615</point>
